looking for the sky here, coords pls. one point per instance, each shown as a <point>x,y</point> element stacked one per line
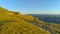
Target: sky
<point>32,6</point>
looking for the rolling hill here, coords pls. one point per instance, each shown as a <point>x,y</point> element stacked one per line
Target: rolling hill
<point>12,22</point>
<point>16,23</point>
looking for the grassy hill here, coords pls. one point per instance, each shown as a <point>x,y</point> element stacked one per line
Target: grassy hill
<point>53,28</point>
<point>12,22</point>
<point>15,23</point>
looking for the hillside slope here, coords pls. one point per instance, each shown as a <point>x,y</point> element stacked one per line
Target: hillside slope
<point>53,28</point>
<point>16,23</point>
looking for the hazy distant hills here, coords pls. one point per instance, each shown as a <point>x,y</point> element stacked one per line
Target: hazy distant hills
<point>16,23</point>
<point>54,18</point>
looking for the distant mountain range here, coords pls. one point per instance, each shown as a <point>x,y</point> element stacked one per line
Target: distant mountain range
<point>52,18</point>
<point>12,22</point>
